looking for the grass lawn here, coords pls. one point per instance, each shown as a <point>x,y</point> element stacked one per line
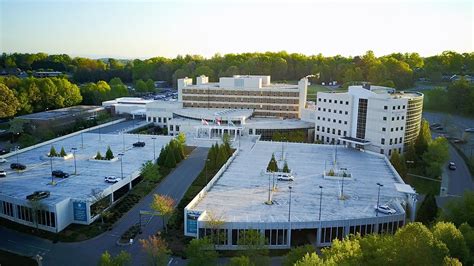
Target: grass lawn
<point>11,259</point>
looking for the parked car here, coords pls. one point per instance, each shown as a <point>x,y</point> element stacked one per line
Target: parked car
<point>3,160</point>
<point>452,166</point>
<point>37,195</point>
<point>60,174</point>
<point>139,144</point>
<point>3,151</point>
<point>285,177</point>
<point>435,125</point>
<point>385,209</point>
<point>470,130</point>
<point>17,166</point>
<point>112,179</point>
<point>3,173</point>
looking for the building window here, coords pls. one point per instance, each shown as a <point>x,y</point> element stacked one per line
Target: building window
<point>403,117</point>
<point>403,107</point>
<point>393,118</point>
<point>398,118</point>
<point>324,109</point>
<point>335,111</point>
<point>391,142</point>
<point>384,118</point>
<point>396,141</point>
<point>177,128</point>
<point>401,139</point>
<point>393,107</point>
<point>398,107</point>
<point>154,119</point>
<point>324,118</point>
<point>159,119</point>
<point>333,131</point>
<point>164,119</point>
<point>400,150</point>
<point>382,141</point>
<point>338,132</point>
<point>317,128</point>
<point>340,112</point>
<point>171,127</point>
<point>401,128</point>
<point>381,151</point>
<point>330,101</point>
<point>347,103</point>
<point>319,99</point>
<point>319,118</point>
<point>319,108</point>
<point>345,122</point>
<point>334,120</point>
<point>383,129</point>
<point>340,102</point>
<point>345,133</point>
<point>391,129</point>
<point>385,107</point>
<point>324,100</point>
<point>389,152</point>
<point>345,112</point>
<point>340,121</point>
<point>329,110</point>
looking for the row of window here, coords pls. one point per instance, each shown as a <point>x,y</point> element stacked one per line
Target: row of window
<point>393,118</point>
<point>392,129</point>
<point>330,140</point>
<point>394,107</point>
<point>382,151</point>
<point>41,217</point>
<point>242,92</point>
<point>328,130</point>
<point>334,120</point>
<point>334,111</point>
<point>293,108</point>
<point>174,128</point>
<point>157,119</point>
<point>391,141</point>
<point>263,99</point>
<point>330,101</point>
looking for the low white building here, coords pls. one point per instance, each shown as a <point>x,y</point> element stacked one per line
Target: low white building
<point>128,106</point>
<point>375,118</point>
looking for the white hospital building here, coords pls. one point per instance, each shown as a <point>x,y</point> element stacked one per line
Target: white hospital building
<point>374,118</point>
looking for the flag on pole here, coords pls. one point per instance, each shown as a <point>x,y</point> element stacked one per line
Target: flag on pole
<point>218,121</point>
<point>204,122</point>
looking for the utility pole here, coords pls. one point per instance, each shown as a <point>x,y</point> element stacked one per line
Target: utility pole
<point>74,155</point>
<point>289,218</point>
<point>378,200</point>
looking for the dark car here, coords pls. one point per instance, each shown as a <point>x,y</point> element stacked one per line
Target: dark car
<point>139,144</point>
<point>60,174</point>
<point>452,166</point>
<point>37,195</point>
<point>3,151</point>
<point>17,166</point>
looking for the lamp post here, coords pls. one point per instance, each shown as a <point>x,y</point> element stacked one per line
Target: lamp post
<point>74,155</point>
<point>342,187</point>
<point>154,151</point>
<point>378,199</point>
<point>320,201</point>
<point>82,140</point>
<point>121,164</point>
<point>123,141</point>
<point>51,164</point>
<point>17,148</point>
<point>289,218</point>
<point>269,190</point>
<point>99,135</point>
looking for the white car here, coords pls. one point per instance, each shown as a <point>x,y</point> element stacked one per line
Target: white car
<point>112,179</point>
<point>3,160</point>
<point>385,209</point>
<point>285,177</point>
<point>3,173</point>
<point>471,130</point>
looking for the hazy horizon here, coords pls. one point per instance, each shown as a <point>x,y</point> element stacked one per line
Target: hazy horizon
<point>145,29</point>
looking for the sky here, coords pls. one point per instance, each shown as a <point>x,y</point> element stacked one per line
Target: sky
<point>144,29</point>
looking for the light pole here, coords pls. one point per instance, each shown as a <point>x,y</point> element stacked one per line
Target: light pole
<point>269,191</point>
<point>342,187</point>
<point>289,218</point>
<point>378,199</point>
<point>320,201</point>
<point>82,140</point>
<point>154,151</point>
<point>99,135</point>
<point>74,155</point>
<point>17,148</point>
<point>51,163</point>
<point>123,141</point>
<point>121,164</point>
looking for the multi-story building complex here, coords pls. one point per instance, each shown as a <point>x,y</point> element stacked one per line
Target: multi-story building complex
<point>370,117</point>
<point>245,92</point>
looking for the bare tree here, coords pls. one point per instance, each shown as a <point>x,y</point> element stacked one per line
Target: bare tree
<point>215,222</point>
<point>36,207</point>
<point>99,203</point>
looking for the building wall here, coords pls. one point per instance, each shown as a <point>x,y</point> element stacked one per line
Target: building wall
<point>333,117</point>
<point>413,119</point>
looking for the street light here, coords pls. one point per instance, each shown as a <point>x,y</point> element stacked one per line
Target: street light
<point>320,200</point>
<point>82,140</point>
<point>17,148</point>
<point>121,164</point>
<point>74,155</point>
<point>154,151</point>
<point>289,218</point>
<point>378,199</point>
<point>51,163</point>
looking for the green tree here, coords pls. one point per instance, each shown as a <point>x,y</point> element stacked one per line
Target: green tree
<point>150,85</point>
<point>122,259</point>
<point>453,239</point>
<point>109,155</point>
<point>52,152</point>
<point>346,252</point>
<point>436,156</point>
<point>272,165</point>
<point>181,138</point>
<point>156,250</point>
<point>162,157</point>
<point>285,168</point>
<point>468,234</point>
<point>459,210</point>
<point>222,155</point>
<point>240,261</point>
<point>428,210</point>
<point>310,260</point>
<point>164,205</point>
<point>423,139</point>
<point>17,127</point>
<point>62,153</point>
<point>98,156</point>
<point>297,254</point>
<point>140,86</point>
<point>8,102</point>
<point>170,161</point>
<point>201,252</point>
<point>117,88</point>
<point>253,245</point>
<point>399,163</point>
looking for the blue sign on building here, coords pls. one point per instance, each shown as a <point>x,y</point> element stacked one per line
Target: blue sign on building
<point>80,211</point>
<point>191,221</point>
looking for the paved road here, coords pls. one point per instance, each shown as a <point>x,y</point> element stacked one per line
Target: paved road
<point>89,251</point>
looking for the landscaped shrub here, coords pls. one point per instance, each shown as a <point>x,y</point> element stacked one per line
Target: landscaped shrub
<point>98,156</point>
<point>52,152</point>
<point>285,168</point>
<point>62,153</point>
<point>109,155</point>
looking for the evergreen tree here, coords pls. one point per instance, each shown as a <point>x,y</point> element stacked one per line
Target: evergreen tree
<point>52,152</point>
<point>428,210</point>
<point>410,155</point>
<point>285,168</point>
<point>170,161</point>
<point>398,163</point>
<point>62,153</point>
<point>109,155</point>
<point>226,144</point>
<point>272,165</point>
<point>175,151</point>
<point>423,139</point>
<point>162,157</point>
<point>212,156</point>
<point>98,156</point>
<point>222,156</point>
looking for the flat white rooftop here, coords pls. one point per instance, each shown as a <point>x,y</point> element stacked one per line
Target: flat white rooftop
<point>213,113</point>
<point>239,195</point>
<point>90,174</point>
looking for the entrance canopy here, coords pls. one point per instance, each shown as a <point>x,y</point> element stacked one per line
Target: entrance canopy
<point>357,141</point>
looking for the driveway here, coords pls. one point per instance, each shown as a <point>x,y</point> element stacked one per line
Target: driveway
<point>88,252</point>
